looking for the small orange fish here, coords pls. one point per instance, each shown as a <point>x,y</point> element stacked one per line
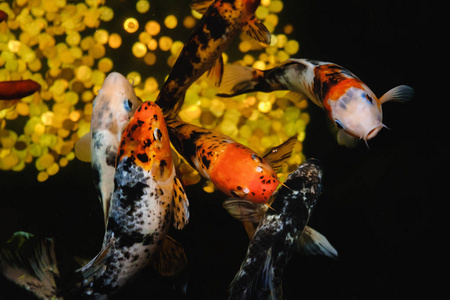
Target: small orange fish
<point>17,89</point>
<point>233,168</point>
<point>221,23</point>
<point>3,16</point>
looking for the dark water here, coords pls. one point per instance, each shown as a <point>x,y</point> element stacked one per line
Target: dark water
<point>379,208</point>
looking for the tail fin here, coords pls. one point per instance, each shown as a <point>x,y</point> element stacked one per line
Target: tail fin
<point>237,80</point>
<point>30,263</point>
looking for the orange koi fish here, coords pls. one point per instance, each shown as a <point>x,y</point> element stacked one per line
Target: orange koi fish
<point>3,16</point>
<point>147,198</point>
<point>17,89</point>
<point>221,23</point>
<point>233,168</point>
<point>350,103</point>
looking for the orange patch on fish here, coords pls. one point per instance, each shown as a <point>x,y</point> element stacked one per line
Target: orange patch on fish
<point>251,178</point>
<point>147,140</point>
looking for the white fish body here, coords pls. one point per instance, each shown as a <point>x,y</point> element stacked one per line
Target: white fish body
<point>112,109</point>
<point>349,102</point>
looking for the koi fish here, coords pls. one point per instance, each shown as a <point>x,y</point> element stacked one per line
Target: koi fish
<point>233,168</point>
<point>281,233</point>
<point>3,16</point>
<point>17,89</point>
<point>349,102</point>
<point>147,198</point>
<point>112,109</point>
<point>221,23</point>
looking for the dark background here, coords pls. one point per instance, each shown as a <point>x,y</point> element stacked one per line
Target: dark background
<point>382,208</point>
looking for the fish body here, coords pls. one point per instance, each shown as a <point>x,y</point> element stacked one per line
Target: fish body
<point>112,109</point>
<point>221,22</point>
<point>349,102</point>
<point>17,89</point>
<point>276,237</point>
<point>233,168</point>
<point>147,198</point>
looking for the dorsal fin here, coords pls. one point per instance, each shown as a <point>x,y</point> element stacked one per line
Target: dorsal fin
<point>256,30</point>
<point>201,6</point>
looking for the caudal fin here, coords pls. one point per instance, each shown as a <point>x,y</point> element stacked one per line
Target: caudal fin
<point>30,263</point>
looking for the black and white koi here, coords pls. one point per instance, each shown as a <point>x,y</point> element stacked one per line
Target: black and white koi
<point>349,102</point>
<point>281,233</point>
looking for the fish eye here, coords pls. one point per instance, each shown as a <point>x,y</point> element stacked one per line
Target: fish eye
<point>339,124</point>
<point>127,104</point>
<point>369,99</point>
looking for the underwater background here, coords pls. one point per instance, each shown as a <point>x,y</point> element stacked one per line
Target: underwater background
<point>378,208</point>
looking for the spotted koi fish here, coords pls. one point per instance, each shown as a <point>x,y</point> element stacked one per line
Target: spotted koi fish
<point>112,109</point>
<point>147,198</point>
<point>281,233</point>
<point>221,23</point>
<point>233,168</point>
<point>350,103</point>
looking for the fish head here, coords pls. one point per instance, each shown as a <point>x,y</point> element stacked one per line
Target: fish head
<point>358,112</point>
<point>114,105</point>
<point>146,139</point>
<point>245,175</point>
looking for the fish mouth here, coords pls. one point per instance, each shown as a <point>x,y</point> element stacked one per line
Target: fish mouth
<point>372,133</point>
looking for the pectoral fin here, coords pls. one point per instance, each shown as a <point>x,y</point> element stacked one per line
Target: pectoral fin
<point>181,205</point>
<point>83,148</point>
<point>171,259</point>
<point>244,210</point>
<point>255,29</point>
<point>278,155</point>
<point>401,93</point>
<point>311,242</point>
<point>216,72</point>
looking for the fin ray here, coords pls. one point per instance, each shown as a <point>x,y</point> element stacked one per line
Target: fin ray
<point>181,205</point>
<point>278,155</point>
<point>401,93</point>
<point>171,259</point>
<point>311,242</point>
<point>258,31</point>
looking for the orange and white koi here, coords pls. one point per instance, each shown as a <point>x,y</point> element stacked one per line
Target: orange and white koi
<point>221,23</point>
<point>233,168</point>
<point>350,103</point>
<point>147,198</point>
<point>112,109</point>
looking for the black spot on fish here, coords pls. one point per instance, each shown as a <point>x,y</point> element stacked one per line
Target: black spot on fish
<point>206,162</point>
<point>162,166</point>
<point>111,157</point>
<point>142,157</point>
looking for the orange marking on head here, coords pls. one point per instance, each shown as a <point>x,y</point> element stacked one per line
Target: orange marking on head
<point>146,138</point>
